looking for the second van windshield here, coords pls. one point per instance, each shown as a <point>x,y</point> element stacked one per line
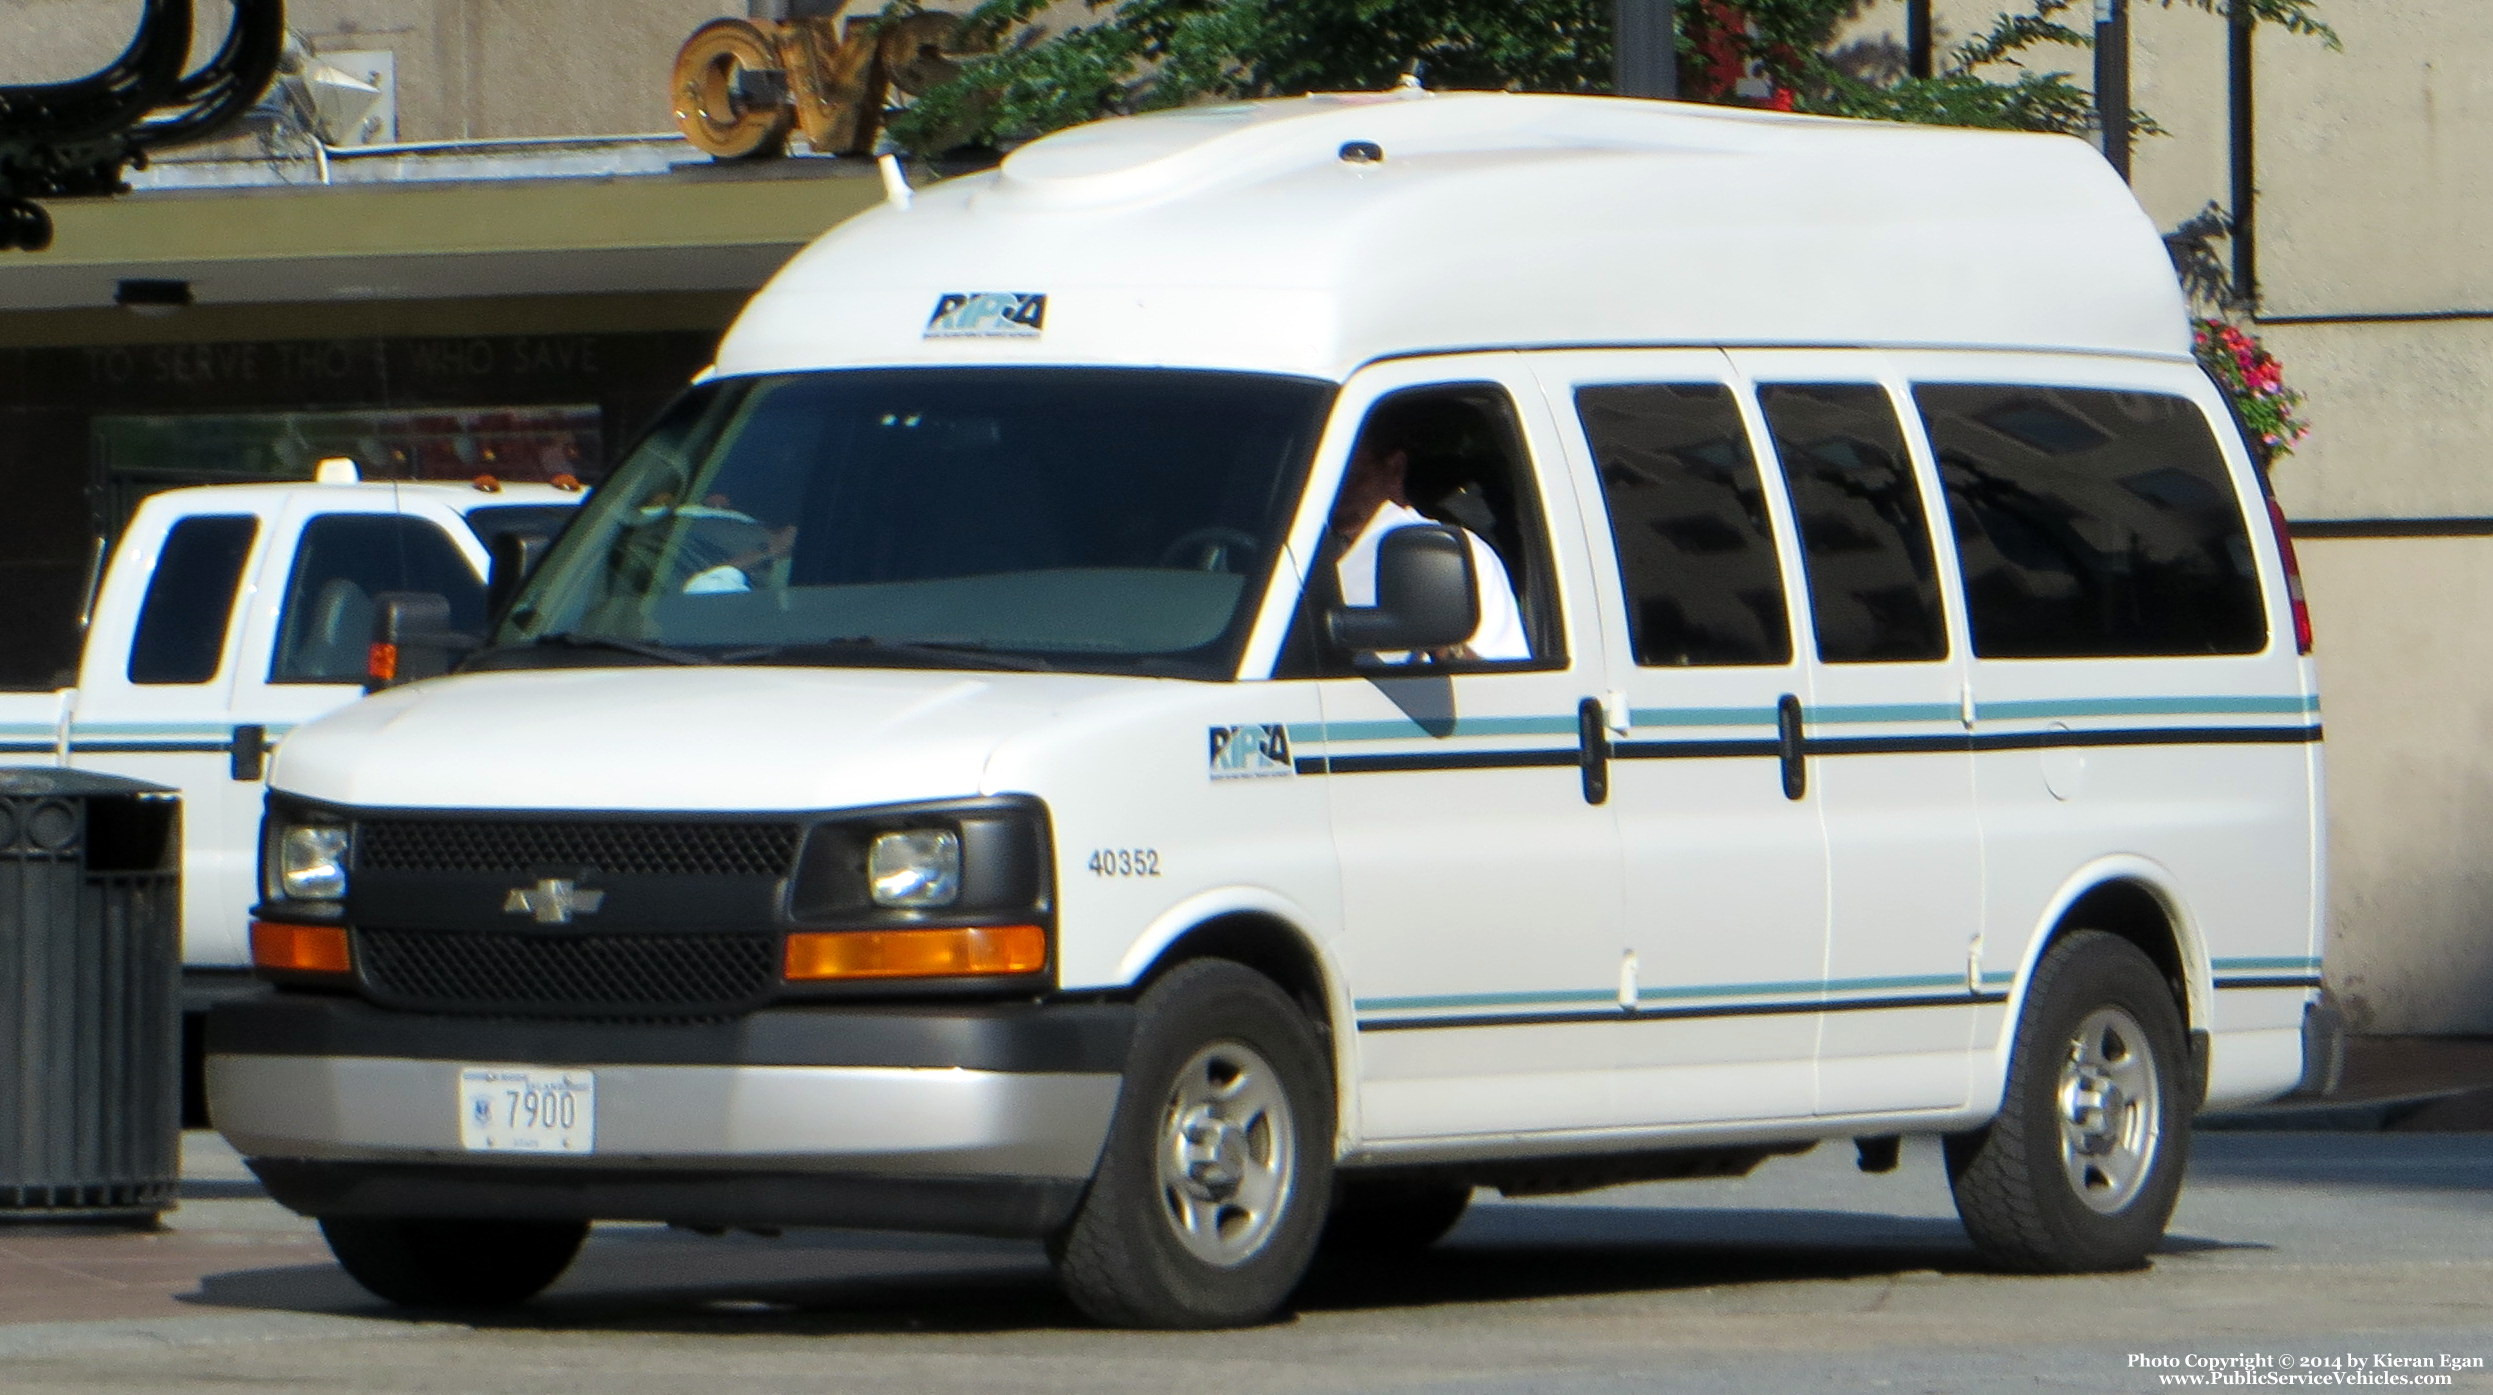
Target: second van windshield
<point>1098,519</point>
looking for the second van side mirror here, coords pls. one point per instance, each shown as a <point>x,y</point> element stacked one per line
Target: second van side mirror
<point>412,639</point>
<point>515,556</point>
<point>1426,594</point>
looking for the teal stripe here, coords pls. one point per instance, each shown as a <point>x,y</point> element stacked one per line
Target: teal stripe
<point>2256,963</point>
<point>1701,716</point>
<point>147,729</point>
<point>2000,976</point>
<point>2295,704</point>
<point>1404,729</point>
<point>1451,1000</point>
<point>1816,988</point>
<point>1887,712</point>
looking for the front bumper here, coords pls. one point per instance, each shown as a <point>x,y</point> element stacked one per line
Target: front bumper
<point>981,1119</point>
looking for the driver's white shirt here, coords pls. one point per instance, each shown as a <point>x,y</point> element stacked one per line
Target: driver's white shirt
<point>1501,633</point>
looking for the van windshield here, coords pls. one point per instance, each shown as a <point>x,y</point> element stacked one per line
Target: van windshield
<point>1107,520</point>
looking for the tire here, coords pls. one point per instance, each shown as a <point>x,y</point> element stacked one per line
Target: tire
<point>1212,1186</point>
<point>430,1263</point>
<point>2050,1187</point>
<point>1386,1217</point>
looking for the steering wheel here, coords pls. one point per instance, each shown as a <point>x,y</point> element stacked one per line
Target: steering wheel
<point>1213,549</point>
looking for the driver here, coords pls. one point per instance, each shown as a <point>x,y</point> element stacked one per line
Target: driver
<point>1375,501</point>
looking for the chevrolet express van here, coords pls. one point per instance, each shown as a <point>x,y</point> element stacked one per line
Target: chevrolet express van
<point>1028,822</point>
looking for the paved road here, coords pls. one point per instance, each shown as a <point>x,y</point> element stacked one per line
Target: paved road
<point>1805,1276</point>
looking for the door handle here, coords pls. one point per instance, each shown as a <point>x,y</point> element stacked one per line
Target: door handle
<point>1788,747</point>
<point>1592,738</point>
<point>250,753</point>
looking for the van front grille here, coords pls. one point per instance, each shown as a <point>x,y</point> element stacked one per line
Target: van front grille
<point>564,975</point>
<point>618,848</point>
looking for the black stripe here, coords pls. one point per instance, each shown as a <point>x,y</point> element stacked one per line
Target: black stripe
<point>2150,736</point>
<point>1436,760</point>
<point>126,748</point>
<point>1670,1014</point>
<point>1815,746</point>
<point>2298,981</point>
<point>1691,750</point>
<point>2375,317</point>
<point>2392,528</point>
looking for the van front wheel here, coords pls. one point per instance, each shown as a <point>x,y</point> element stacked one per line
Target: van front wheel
<point>2080,1171</point>
<point>422,1262</point>
<point>1210,1192</point>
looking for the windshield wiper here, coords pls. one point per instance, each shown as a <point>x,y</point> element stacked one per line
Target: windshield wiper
<point>937,653</point>
<point>660,652</point>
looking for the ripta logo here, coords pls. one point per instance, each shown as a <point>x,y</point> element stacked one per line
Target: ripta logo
<point>987,315</point>
<point>1251,752</point>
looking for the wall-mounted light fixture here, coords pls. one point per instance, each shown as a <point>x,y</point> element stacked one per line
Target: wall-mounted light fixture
<point>151,297</point>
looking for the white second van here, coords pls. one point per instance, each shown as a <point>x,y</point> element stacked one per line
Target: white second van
<point>1835,676</point>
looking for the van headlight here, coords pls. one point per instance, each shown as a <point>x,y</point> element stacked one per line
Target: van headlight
<point>964,862</point>
<point>913,868</point>
<point>310,862</point>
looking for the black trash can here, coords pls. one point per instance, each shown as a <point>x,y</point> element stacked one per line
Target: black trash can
<point>90,981</point>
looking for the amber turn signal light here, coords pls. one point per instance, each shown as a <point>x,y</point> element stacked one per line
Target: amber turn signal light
<point>300,949</point>
<point>985,950</point>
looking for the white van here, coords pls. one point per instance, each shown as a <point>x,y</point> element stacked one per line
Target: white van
<point>1902,724</point>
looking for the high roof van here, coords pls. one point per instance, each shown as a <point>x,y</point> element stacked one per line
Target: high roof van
<point>1210,691</point>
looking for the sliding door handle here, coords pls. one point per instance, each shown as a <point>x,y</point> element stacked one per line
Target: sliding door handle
<point>1788,747</point>
<point>1592,737</point>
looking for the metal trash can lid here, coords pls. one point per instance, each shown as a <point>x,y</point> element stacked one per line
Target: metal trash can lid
<point>40,780</point>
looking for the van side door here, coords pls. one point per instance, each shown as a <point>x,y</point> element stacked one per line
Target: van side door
<point>1480,891</point>
<point>1885,735</point>
<point>1724,859</point>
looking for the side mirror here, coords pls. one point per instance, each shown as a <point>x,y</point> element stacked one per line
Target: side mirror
<point>1426,594</point>
<point>412,639</point>
<point>515,557</point>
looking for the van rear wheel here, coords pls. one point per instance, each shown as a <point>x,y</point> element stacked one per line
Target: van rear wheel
<point>2080,1171</point>
<point>1210,1191</point>
<point>426,1262</point>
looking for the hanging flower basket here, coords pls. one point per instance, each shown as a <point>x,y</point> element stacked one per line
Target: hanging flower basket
<point>2244,368</point>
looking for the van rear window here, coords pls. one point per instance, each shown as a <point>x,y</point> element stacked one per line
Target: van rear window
<point>1696,548</point>
<point>2092,523</point>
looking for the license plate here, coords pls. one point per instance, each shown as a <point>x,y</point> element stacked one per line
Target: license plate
<point>512,1109</point>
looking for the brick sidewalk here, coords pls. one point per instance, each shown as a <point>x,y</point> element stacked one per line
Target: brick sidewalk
<point>225,1231</point>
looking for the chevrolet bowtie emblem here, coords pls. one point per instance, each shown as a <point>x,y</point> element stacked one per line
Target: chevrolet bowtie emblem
<point>553,901</point>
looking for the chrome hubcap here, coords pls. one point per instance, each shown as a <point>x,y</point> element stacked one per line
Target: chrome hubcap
<point>1228,1148</point>
<point>2111,1109</point>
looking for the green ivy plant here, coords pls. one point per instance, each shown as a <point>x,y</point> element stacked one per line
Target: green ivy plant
<point>1143,55</point>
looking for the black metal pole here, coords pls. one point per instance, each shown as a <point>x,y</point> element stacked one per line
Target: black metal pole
<point>2112,80</point>
<point>1917,41</point>
<point>2245,171</point>
<point>1647,48</point>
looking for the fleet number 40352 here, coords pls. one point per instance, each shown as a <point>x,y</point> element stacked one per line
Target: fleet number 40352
<point>1125,862</point>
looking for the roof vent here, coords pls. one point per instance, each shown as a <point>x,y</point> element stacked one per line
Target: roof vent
<point>338,469</point>
<point>1362,152</point>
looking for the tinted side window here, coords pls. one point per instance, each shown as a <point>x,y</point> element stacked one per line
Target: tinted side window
<point>190,599</point>
<point>1873,589</point>
<point>342,562</point>
<point>2093,523</point>
<point>1696,549</point>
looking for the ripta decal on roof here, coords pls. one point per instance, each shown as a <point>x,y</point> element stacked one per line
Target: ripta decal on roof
<point>987,315</point>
